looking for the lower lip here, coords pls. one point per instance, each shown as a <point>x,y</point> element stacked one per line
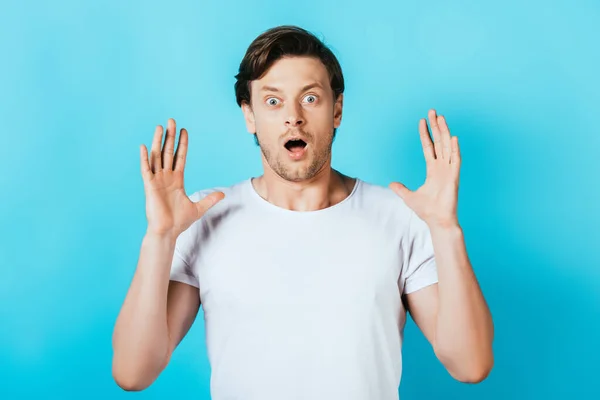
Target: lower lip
<point>297,155</point>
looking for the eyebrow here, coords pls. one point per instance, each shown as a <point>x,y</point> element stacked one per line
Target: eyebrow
<point>274,89</point>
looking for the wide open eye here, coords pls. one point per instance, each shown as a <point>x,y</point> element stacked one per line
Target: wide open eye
<point>312,98</point>
<point>272,101</point>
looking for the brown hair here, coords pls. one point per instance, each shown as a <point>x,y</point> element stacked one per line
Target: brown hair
<point>279,42</point>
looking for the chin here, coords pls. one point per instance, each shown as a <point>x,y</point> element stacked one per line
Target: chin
<point>283,165</point>
<point>294,176</point>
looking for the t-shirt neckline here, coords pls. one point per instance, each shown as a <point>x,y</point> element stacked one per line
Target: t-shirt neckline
<point>265,203</point>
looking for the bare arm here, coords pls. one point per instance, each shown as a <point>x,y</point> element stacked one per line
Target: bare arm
<point>453,314</point>
<point>156,315</point>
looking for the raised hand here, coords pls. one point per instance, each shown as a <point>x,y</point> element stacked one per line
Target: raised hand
<point>168,209</point>
<point>435,202</point>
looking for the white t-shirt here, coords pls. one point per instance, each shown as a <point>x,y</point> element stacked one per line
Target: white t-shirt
<point>305,305</point>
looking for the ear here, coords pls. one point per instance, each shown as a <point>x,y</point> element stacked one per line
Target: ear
<point>249,118</point>
<point>337,111</point>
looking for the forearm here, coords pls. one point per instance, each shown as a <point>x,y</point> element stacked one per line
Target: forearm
<point>141,337</point>
<point>464,329</point>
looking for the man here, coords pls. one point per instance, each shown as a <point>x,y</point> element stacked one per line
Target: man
<point>305,274</point>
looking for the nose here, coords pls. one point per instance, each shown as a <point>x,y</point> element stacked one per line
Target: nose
<point>294,118</point>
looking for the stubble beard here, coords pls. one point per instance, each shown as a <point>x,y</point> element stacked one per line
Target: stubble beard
<point>297,171</point>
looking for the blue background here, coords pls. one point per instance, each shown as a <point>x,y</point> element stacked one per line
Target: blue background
<point>83,84</point>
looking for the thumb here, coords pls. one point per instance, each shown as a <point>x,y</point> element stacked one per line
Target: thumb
<point>208,202</point>
<point>400,190</point>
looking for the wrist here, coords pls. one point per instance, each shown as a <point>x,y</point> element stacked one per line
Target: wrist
<point>445,227</point>
<point>153,236</point>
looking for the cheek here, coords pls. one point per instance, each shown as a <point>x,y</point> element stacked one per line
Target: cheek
<point>322,114</point>
<point>323,124</point>
<point>267,120</point>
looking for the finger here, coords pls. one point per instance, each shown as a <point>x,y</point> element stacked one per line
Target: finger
<point>400,189</point>
<point>437,136</point>
<point>155,163</point>
<point>455,158</point>
<point>445,132</point>
<point>426,142</point>
<point>207,202</point>
<point>181,153</point>
<point>167,152</point>
<point>144,165</point>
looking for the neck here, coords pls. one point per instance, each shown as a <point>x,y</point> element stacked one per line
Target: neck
<point>327,188</point>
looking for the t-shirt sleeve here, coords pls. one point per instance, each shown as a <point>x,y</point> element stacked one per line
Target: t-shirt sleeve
<point>181,266</point>
<point>420,269</point>
<point>186,250</point>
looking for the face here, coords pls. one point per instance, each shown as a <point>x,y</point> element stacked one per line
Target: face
<point>294,100</point>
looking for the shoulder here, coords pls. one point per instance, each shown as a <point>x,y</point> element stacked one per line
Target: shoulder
<point>379,196</point>
<point>388,209</point>
<point>235,196</point>
<point>231,191</point>
<point>203,227</point>
<point>397,210</point>
<point>234,202</point>
<point>376,190</point>
<point>381,206</point>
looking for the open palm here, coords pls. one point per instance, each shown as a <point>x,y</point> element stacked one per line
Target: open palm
<point>168,208</point>
<point>435,201</point>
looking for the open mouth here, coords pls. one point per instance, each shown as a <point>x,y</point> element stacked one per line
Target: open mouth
<point>295,145</point>
<point>296,149</point>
